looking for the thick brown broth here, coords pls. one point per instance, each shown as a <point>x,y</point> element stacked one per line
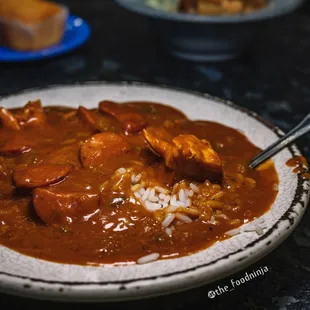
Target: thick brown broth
<point>113,232</point>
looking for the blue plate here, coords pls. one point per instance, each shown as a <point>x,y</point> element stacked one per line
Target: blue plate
<point>76,33</point>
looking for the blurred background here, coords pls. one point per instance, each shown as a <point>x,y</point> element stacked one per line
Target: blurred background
<point>271,77</point>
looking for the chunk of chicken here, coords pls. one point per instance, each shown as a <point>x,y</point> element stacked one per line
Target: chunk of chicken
<point>8,120</point>
<point>187,155</point>
<point>31,114</point>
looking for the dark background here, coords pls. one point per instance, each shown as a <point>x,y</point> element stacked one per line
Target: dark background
<point>272,78</point>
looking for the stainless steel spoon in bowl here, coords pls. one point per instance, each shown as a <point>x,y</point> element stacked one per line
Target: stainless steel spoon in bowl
<point>302,128</point>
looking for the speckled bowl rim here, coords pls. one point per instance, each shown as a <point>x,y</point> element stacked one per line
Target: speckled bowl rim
<point>274,9</point>
<point>162,284</point>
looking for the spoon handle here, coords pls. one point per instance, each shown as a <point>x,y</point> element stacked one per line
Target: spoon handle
<point>302,128</point>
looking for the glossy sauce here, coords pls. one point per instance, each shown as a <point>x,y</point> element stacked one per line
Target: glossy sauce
<point>119,233</point>
<point>300,165</point>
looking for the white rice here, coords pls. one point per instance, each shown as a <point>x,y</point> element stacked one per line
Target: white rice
<point>168,231</point>
<point>168,220</point>
<point>259,230</point>
<point>183,218</point>
<point>214,222</point>
<point>182,196</point>
<point>152,193</point>
<point>162,190</point>
<point>133,178</point>
<point>194,187</point>
<point>167,199</point>
<point>233,232</point>
<point>152,206</point>
<point>157,198</point>
<point>138,178</point>
<point>153,198</point>
<point>188,203</point>
<point>120,171</point>
<point>146,194</point>
<point>162,196</point>
<point>190,193</point>
<point>164,204</point>
<point>181,204</point>
<point>173,201</point>
<point>137,195</point>
<point>258,226</point>
<point>148,258</point>
<point>171,208</point>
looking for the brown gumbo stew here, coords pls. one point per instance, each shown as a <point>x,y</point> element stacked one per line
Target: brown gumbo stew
<point>114,184</point>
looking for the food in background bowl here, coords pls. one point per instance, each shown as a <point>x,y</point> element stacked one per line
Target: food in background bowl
<point>208,7</point>
<point>206,37</point>
<point>166,5</point>
<point>28,25</point>
<point>218,7</point>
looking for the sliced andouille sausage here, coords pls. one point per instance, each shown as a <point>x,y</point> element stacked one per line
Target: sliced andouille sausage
<point>32,114</point>
<point>6,168</point>
<point>66,155</point>
<point>8,120</point>
<point>40,175</point>
<point>88,117</point>
<point>131,121</point>
<point>101,148</point>
<point>15,146</point>
<point>110,107</point>
<point>6,189</point>
<point>63,207</point>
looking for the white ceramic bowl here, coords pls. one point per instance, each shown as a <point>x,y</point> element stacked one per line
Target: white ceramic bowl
<point>208,38</point>
<point>28,276</point>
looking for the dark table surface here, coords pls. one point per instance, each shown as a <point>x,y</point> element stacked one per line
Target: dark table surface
<point>272,78</point>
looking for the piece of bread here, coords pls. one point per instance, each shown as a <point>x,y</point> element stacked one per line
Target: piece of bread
<point>28,25</point>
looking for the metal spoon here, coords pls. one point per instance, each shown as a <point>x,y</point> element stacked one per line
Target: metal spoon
<point>302,128</point>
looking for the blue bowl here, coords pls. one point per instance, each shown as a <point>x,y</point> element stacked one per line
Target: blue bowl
<point>208,38</point>
<point>77,31</point>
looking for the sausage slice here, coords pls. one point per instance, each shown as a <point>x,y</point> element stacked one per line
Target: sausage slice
<point>66,155</point>
<point>101,148</point>
<point>88,117</point>
<point>131,121</point>
<point>17,145</point>
<point>63,207</point>
<point>40,175</point>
